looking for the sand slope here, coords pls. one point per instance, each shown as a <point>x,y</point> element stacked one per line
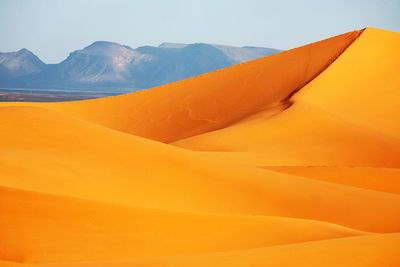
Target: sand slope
<point>315,137</point>
<point>120,168</point>
<point>288,160</point>
<point>47,228</point>
<point>213,100</point>
<point>312,133</point>
<point>362,87</point>
<point>380,179</point>
<point>372,250</point>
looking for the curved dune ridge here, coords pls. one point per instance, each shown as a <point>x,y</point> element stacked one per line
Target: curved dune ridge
<point>288,160</point>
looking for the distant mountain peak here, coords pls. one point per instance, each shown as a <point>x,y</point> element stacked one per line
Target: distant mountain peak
<point>24,51</point>
<point>22,62</point>
<point>114,51</point>
<point>103,44</point>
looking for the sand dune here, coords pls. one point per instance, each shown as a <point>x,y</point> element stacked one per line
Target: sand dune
<point>291,159</point>
<point>315,138</point>
<point>370,250</point>
<point>213,100</point>
<point>78,230</point>
<point>373,79</point>
<point>310,133</point>
<point>380,179</point>
<point>131,170</point>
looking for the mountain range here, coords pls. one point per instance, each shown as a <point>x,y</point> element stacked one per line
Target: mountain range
<point>107,65</point>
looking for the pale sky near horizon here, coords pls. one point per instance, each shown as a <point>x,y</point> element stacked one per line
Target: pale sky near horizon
<point>53,28</point>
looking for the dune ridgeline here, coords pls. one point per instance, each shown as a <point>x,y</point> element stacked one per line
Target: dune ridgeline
<point>288,160</point>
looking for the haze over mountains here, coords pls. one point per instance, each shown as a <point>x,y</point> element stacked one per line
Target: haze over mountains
<point>106,65</point>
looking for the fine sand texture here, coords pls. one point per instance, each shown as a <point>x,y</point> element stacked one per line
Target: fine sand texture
<point>287,160</point>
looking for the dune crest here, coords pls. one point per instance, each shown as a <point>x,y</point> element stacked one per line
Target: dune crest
<point>213,100</point>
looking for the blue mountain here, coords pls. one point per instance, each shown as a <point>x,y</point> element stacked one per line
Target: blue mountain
<point>106,65</point>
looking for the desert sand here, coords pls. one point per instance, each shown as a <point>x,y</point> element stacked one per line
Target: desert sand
<point>287,160</point>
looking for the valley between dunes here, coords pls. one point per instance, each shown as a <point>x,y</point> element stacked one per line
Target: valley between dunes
<point>288,160</point>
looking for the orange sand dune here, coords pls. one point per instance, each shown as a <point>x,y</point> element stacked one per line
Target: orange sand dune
<point>213,100</point>
<point>116,167</point>
<point>381,179</point>
<point>309,133</point>
<point>362,86</point>
<point>288,160</point>
<point>47,228</point>
<point>314,137</point>
<point>371,250</point>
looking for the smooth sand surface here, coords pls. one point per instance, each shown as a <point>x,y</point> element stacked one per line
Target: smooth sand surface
<point>313,134</point>
<point>81,159</point>
<point>373,250</point>
<point>288,160</point>
<point>71,229</point>
<point>380,179</point>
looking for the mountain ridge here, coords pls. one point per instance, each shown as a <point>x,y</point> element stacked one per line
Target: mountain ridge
<point>109,65</point>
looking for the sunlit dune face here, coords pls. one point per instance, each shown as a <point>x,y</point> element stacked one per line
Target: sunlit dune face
<point>214,100</point>
<point>288,160</point>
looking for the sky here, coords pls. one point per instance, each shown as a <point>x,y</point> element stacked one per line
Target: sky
<point>53,28</point>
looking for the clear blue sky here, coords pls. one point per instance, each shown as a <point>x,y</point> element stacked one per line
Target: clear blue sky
<point>53,28</point>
